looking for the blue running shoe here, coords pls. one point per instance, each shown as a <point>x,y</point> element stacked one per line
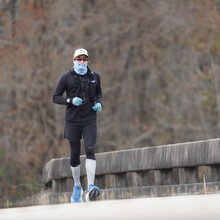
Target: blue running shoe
<point>92,193</point>
<point>77,194</point>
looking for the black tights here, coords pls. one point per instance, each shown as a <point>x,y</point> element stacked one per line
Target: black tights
<point>75,152</point>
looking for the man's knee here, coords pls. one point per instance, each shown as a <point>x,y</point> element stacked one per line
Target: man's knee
<point>90,152</point>
<point>74,161</point>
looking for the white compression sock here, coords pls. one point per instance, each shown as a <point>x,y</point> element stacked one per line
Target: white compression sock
<point>76,175</point>
<point>90,170</point>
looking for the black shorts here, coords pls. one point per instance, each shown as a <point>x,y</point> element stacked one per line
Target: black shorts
<point>74,131</point>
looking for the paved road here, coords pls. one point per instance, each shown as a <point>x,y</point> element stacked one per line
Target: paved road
<point>196,207</point>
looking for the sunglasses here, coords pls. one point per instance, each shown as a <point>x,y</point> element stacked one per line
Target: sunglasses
<point>84,59</point>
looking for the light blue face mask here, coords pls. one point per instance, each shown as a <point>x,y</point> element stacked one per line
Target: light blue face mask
<point>80,68</point>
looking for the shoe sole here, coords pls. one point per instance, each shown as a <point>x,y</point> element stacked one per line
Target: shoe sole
<point>93,194</point>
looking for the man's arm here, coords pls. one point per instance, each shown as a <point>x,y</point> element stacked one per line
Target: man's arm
<point>98,90</point>
<point>58,92</point>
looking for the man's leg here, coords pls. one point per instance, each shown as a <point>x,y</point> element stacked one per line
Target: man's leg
<point>75,161</point>
<point>90,170</point>
<point>75,168</point>
<point>89,135</point>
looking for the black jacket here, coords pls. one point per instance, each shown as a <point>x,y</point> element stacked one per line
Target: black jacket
<point>87,87</point>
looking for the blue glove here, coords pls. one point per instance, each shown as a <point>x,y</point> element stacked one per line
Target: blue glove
<point>77,101</point>
<point>97,107</point>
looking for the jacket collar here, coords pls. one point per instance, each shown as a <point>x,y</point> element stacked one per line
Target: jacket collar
<point>89,72</point>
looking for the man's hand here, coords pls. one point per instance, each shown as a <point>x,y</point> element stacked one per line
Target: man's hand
<point>77,101</point>
<point>97,107</point>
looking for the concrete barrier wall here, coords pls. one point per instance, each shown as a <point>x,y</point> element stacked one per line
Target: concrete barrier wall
<point>185,163</point>
<point>178,169</point>
<point>199,153</point>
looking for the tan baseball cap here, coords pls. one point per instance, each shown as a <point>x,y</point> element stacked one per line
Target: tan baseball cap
<point>80,51</point>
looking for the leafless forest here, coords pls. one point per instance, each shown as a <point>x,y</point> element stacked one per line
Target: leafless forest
<point>159,65</point>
